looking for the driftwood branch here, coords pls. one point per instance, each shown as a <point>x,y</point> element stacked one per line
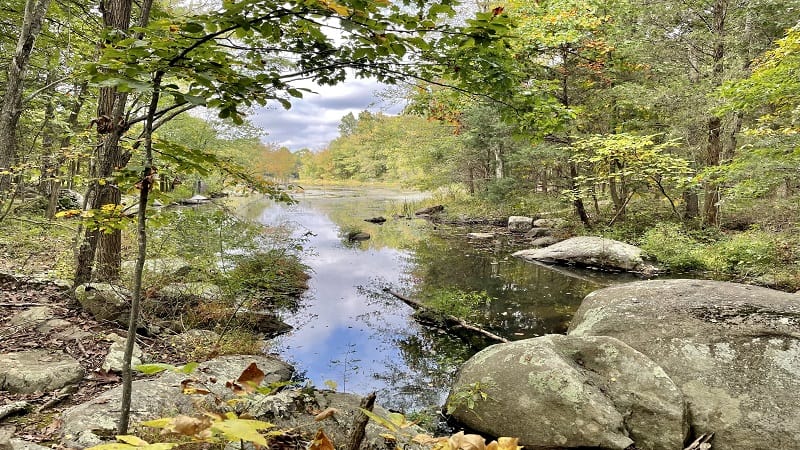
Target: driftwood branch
<point>449,320</point>
<point>360,422</point>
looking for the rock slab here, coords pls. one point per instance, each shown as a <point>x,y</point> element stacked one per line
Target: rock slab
<point>560,391</point>
<point>591,251</point>
<point>37,370</point>
<point>733,349</point>
<point>159,396</point>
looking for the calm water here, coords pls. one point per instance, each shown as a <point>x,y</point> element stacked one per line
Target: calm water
<point>351,333</point>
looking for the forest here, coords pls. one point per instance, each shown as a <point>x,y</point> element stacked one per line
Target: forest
<point>671,125</point>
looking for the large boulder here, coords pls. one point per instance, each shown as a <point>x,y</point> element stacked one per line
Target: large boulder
<point>590,251</point>
<point>154,397</point>
<point>37,370</point>
<point>733,349</point>
<point>568,392</point>
<point>105,301</point>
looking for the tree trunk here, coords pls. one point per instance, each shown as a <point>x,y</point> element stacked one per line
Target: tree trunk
<point>499,166</point>
<point>580,209</point>
<point>11,107</point>
<point>714,146</point>
<point>111,127</point>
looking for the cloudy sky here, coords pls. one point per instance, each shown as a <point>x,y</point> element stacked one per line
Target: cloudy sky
<point>313,121</point>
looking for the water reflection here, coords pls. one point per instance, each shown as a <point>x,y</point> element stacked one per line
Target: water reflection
<point>352,333</point>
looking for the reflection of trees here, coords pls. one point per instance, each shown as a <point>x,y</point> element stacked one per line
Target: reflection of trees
<point>431,360</point>
<point>530,300</point>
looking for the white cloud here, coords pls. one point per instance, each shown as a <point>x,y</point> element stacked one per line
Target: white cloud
<point>313,121</point>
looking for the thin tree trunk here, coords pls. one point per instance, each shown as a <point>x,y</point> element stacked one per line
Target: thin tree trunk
<point>141,227</point>
<point>11,107</point>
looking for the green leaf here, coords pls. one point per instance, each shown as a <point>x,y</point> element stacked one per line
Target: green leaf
<point>188,368</point>
<point>149,369</point>
<point>192,27</point>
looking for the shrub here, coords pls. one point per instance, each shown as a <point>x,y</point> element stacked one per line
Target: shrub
<point>669,244</point>
<point>748,254</point>
<point>273,278</point>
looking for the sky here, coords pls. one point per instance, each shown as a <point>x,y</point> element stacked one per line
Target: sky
<point>313,121</point>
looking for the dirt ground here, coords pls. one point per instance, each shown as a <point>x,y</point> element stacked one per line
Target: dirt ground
<point>86,340</point>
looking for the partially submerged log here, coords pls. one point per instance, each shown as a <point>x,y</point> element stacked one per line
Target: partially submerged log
<point>453,324</point>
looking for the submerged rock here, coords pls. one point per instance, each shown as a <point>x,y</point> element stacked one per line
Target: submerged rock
<point>589,251</point>
<point>571,392</point>
<point>732,349</point>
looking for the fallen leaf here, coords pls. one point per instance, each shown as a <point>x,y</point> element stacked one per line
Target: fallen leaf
<point>325,414</point>
<point>321,442</point>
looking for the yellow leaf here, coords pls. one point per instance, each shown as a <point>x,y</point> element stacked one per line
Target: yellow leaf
<point>158,423</point>
<point>242,430</point>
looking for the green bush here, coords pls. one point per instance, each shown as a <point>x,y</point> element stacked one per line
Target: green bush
<point>748,254</point>
<point>669,244</point>
<point>273,278</point>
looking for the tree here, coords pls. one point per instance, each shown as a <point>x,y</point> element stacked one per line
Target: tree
<point>11,106</point>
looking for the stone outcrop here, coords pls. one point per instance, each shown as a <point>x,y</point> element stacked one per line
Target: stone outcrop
<point>732,349</point>
<point>590,251</point>
<point>37,370</point>
<point>570,392</point>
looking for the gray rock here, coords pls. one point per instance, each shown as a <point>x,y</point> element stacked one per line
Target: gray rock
<point>37,370</point>
<point>519,224</point>
<point>288,409</point>
<point>536,232</point>
<point>32,318</point>
<point>589,251</point>
<point>545,241</point>
<point>105,301</point>
<point>733,350</point>
<point>161,396</point>
<point>480,235</point>
<point>550,223</point>
<point>194,291</point>
<point>568,392</point>
<point>113,361</point>
<point>69,199</point>
<point>19,444</point>
<point>164,267</point>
